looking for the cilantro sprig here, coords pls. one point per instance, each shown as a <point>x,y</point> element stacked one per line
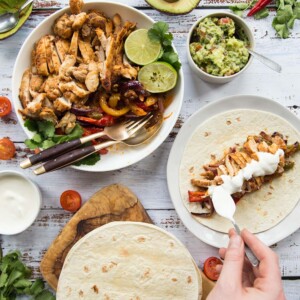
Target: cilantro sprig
<point>45,137</point>
<point>160,33</point>
<point>287,12</point>
<point>15,279</point>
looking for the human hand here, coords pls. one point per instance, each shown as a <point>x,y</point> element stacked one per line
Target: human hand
<point>239,280</point>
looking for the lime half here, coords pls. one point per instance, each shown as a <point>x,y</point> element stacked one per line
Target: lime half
<point>140,49</point>
<point>158,77</point>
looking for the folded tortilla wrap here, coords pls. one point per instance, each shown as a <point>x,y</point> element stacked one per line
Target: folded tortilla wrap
<point>257,211</point>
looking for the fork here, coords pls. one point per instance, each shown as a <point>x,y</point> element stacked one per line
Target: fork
<point>77,154</point>
<point>118,132</point>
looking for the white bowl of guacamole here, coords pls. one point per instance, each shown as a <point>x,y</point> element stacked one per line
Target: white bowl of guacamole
<point>217,47</point>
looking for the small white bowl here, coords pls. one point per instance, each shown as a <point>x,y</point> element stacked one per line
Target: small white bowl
<point>212,78</point>
<point>20,202</point>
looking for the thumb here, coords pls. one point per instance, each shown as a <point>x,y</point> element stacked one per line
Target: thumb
<point>234,260</point>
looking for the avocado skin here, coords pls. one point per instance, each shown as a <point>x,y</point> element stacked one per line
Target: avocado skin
<point>165,6</point>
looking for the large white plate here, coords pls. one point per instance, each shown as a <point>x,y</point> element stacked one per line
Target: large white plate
<point>283,229</point>
<point>115,159</point>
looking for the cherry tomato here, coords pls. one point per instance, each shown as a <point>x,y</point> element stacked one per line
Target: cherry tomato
<point>7,149</point>
<point>210,267</point>
<point>70,200</point>
<point>5,106</point>
<point>224,21</point>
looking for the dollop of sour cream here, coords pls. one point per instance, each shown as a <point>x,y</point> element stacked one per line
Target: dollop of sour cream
<point>221,195</point>
<point>19,203</point>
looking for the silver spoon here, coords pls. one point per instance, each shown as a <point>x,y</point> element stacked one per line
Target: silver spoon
<point>10,20</point>
<point>266,61</point>
<point>225,207</point>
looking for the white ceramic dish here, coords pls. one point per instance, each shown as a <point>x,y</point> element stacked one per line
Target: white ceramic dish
<point>283,229</point>
<point>218,79</point>
<point>22,200</point>
<point>114,159</point>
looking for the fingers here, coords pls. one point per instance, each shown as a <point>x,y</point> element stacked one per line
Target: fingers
<point>222,252</point>
<point>234,260</point>
<point>269,264</point>
<point>260,249</point>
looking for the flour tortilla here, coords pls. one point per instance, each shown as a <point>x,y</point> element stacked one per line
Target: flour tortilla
<point>257,211</point>
<point>129,260</point>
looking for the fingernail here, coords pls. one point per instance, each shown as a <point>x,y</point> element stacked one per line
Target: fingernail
<point>219,268</point>
<point>235,241</point>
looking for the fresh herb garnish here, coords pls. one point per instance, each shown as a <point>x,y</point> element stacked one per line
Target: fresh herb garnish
<point>14,279</point>
<point>287,12</point>
<point>239,8</point>
<point>45,137</point>
<point>160,33</point>
<point>263,13</point>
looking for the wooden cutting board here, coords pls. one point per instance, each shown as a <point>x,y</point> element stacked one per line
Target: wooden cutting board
<point>112,203</point>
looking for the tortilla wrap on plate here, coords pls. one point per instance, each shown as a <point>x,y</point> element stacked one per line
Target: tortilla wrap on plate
<point>257,211</point>
<point>129,260</point>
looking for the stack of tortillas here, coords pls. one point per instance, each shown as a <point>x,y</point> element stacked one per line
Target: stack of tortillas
<point>129,260</point>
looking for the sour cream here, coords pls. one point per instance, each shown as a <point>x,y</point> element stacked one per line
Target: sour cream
<point>20,202</point>
<point>221,195</point>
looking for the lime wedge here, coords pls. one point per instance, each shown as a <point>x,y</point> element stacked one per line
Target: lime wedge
<point>140,49</point>
<point>158,77</point>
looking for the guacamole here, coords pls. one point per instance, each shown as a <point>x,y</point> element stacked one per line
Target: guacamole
<point>218,47</point>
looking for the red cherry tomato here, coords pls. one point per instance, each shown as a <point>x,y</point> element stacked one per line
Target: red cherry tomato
<point>70,200</point>
<point>5,106</point>
<point>7,149</point>
<point>210,267</point>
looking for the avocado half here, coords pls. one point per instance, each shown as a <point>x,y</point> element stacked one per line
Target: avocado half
<point>177,7</point>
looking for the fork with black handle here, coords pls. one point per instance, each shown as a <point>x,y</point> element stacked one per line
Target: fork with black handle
<point>75,155</point>
<point>117,132</point>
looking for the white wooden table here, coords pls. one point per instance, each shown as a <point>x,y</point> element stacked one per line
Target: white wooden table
<point>148,177</point>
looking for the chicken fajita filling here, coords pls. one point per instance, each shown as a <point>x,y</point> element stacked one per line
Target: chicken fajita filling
<point>240,169</point>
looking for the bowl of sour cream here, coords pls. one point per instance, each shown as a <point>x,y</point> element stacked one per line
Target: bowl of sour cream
<point>20,202</point>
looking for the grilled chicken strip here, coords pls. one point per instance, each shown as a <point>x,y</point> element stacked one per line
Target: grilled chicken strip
<point>86,51</point>
<point>36,84</point>
<point>79,20</point>
<point>69,62</point>
<point>24,91</point>
<point>92,78</point>
<point>62,47</point>
<point>76,6</point>
<point>53,61</point>
<point>62,104</point>
<point>41,57</point>
<point>51,87</point>
<point>74,88</point>
<point>63,27</point>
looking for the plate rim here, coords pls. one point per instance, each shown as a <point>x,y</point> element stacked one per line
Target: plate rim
<point>214,238</point>
<point>174,113</point>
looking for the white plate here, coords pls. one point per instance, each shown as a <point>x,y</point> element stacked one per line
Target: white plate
<point>115,159</point>
<point>283,229</point>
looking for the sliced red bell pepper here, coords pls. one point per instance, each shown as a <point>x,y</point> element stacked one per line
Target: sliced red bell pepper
<point>197,196</point>
<point>106,120</point>
<point>142,105</point>
<point>258,6</point>
<point>91,130</point>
